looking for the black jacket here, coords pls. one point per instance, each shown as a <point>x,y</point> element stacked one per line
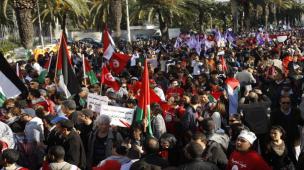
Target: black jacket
<point>278,162</point>
<point>74,150</point>
<point>198,164</point>
<point>214,153</point>
<point>154,159</point>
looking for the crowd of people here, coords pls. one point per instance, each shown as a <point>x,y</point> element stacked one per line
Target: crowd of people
<point>196,125</point>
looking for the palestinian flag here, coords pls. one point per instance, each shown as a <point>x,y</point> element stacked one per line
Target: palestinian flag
<point>2,99</point>
<point>143,109</point>
<point>45,70</point>
<point>65,74</point>
<point>10,84</point>
<point>233,87</point>
<point>88,72</point>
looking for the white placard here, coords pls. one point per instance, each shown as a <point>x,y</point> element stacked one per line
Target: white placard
<point>95,101</point>
<point>120,116</point>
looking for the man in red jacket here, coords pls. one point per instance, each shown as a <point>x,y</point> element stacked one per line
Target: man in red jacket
<point>244,158</point>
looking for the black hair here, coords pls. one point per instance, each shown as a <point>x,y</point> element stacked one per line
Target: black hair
<point>57,152</point>
<point>122,150</point>
<point>199,135</point>
<point>236,129</point>
<point>279,128</point>
<point>69,104</point>
<point>69,125</point>
<point>195,99</point>
<point>136,125</point>
<point>49,118</point>
<point>208,125</point>
<point>170,138</point>
<point>10,155</point>
<point>35,93</point>
<point>195,150</point>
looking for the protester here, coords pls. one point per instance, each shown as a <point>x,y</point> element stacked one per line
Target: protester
<point>72,144</point>
<point>244,157</point>
<point>205,90</point>
<point>277,153</point>
<point>101,141</point>
<point>151,156</point>
<point>55,160</point>
<point>194,152</point>
<point>9,159</point>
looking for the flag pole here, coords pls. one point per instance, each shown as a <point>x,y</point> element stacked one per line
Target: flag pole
<point>17,69</point>
<point>84,70</point>
<point>101,77</point>
<point>50,62</point>
<point>128,21</point>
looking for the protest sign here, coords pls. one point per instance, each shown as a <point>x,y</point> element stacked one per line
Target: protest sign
<point>120,116</point>
<point>95,101</point>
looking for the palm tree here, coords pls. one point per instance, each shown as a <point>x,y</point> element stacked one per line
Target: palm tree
<point>74,10</point>
<point>99,14</point>
<point>202,8</point>
<point>163,10</point>
<point>116,13</point>
<point>276,6</point>
<point>23,11</point>
<point>235,14</point>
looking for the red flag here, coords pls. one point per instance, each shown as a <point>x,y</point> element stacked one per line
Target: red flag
<point>154,98</point>
<point>108,79</point>
<point>143,109</point>
<point>108,44</point>
<point>224,65</point>
<point>118,62</point>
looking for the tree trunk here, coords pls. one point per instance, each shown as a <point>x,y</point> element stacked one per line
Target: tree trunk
<point>200,21</point>
<point>163,26</point>
<point>63,22</point>
<point>247,16</point>
<point>235,15</point>
<point>256,17</point>
<point>25,26</point>
<point>116,13</point>
<point>274,11</point>
<point>266,15</point>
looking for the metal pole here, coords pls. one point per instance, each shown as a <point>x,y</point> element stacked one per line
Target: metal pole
<point>128,21</point>
<point>40,27</point>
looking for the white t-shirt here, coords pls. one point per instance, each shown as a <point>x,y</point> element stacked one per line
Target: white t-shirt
<point>196,67</point>
<point>133,59</point>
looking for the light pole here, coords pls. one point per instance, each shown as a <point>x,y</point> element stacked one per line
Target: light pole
<point>128,21</point>
<point>40,27</point>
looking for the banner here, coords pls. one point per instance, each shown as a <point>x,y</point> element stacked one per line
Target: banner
<point>120,116</point>
<point>95,101</point>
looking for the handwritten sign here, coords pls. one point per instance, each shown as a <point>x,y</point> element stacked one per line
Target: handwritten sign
<point>120,116</point>
<point>95,101</point>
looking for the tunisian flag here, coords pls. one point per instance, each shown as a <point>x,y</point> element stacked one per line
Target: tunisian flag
<point>108,79</point>
<point>118,62</point>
